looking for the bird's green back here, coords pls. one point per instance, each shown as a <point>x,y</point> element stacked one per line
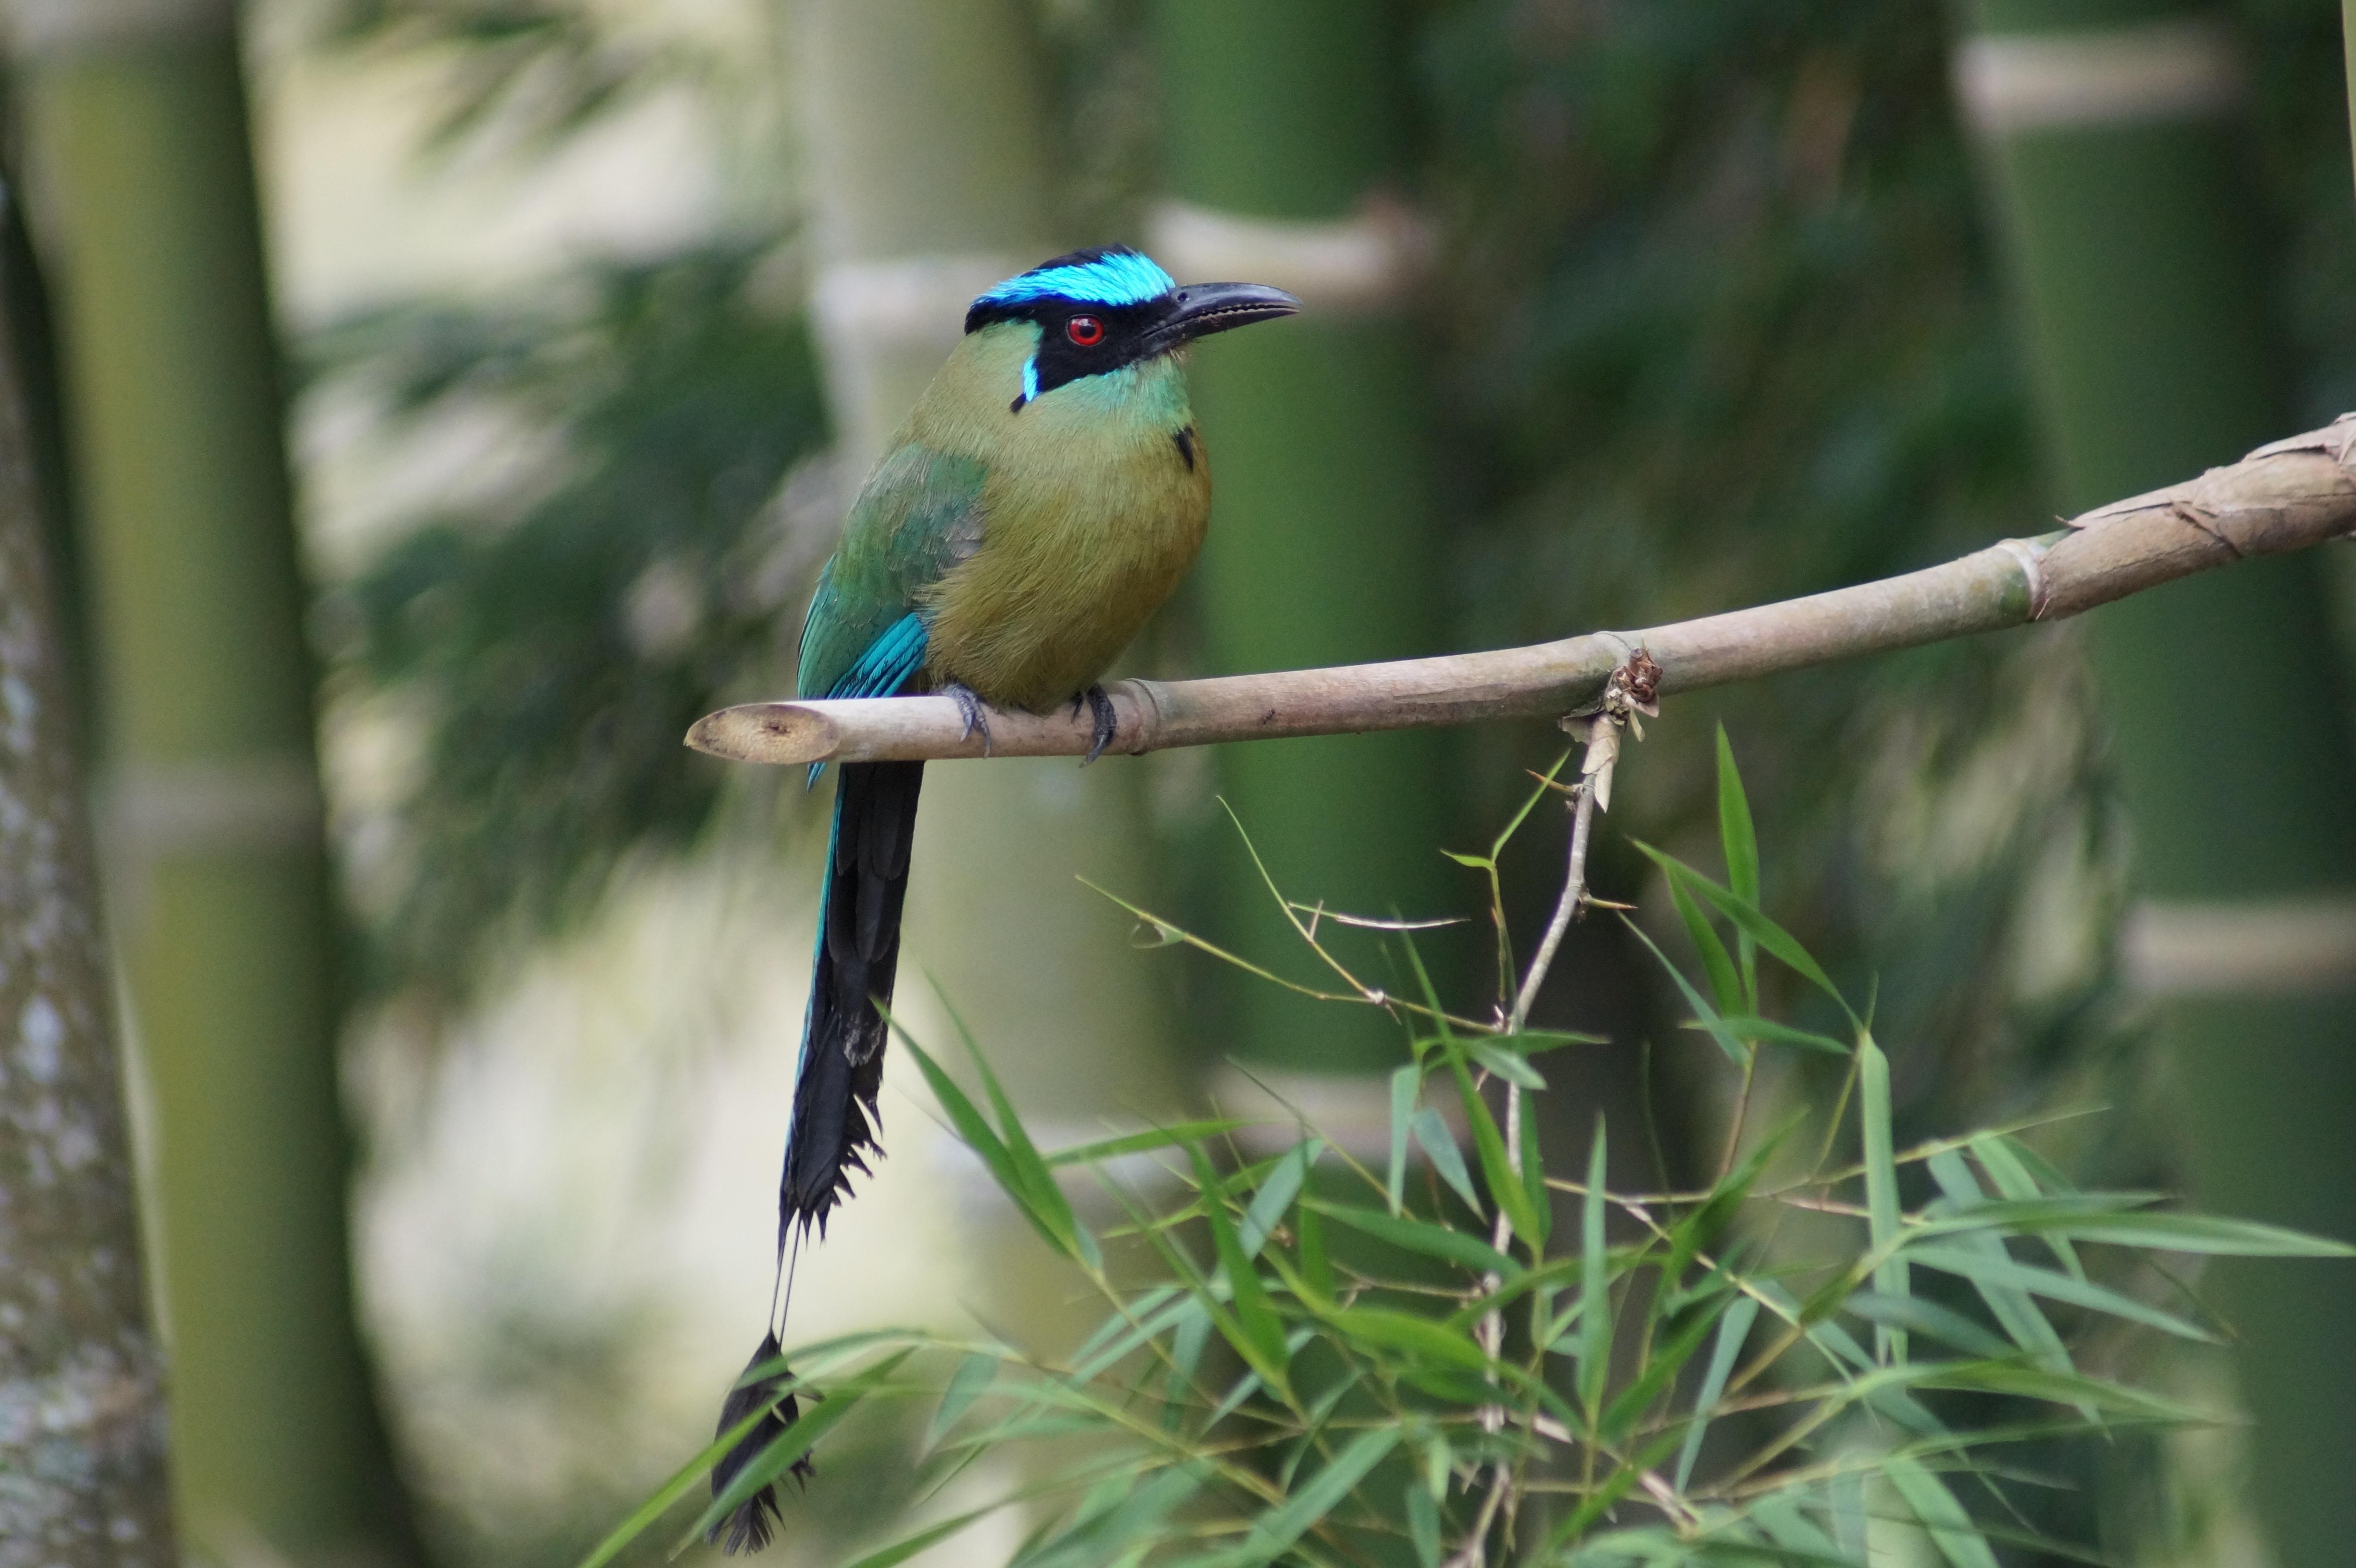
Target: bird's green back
<point>918,515</point>
<point>1034,538</point>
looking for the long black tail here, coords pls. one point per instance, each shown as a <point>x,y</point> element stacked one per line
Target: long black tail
<point>841,1063</point>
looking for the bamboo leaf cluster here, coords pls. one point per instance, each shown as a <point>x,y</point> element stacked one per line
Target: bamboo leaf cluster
<point>1306,1375</point>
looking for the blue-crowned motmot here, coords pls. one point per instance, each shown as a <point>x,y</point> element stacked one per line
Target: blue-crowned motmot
<point>1043,497</point>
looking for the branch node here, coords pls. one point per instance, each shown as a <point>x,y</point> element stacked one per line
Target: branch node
<point>2032,572</point>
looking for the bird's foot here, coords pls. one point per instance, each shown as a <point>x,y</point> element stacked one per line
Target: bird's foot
<point>975,711</point>
<point>1102,718</point>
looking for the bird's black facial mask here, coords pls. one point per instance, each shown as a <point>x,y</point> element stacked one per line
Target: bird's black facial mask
<point>1099,310</point>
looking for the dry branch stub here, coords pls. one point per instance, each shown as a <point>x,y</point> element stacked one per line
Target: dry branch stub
<point>2284,496</point>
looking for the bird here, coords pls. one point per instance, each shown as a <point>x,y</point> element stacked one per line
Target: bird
<point>1045,494</point>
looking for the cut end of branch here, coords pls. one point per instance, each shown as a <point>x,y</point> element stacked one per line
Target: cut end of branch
<point>787,733</point>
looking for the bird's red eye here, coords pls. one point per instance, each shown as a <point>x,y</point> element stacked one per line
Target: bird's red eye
<point>1085,330</point>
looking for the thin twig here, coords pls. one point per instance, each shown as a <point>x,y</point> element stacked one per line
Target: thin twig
<point>1574,892</point>
<point>1474,1553</point>
<point>1595,784</point>
<point>2285,497</point>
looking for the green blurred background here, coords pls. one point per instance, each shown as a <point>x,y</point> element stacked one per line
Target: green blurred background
<point>583,316</point>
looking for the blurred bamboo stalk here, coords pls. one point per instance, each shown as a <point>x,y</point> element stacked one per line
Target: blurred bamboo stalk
<point>85,1480</point>
<point>2110,136</point>
<point>1281,125</point>
<point>136,115</point>
<point>2348,47</point>
<point>2287,495</point>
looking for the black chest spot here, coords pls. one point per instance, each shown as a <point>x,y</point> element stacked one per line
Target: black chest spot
<point>1184,441</point>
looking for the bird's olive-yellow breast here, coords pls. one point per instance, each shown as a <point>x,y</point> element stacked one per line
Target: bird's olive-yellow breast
<point>1093,507</point>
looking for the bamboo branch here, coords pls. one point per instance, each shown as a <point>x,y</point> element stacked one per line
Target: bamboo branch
<point>2282,498</point>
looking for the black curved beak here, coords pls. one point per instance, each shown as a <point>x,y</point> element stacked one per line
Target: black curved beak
<point>1198,310</point>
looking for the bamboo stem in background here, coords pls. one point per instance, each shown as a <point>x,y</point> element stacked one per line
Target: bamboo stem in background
<point>2348,47</point>
<point>1279,124</point>
<point>83,1481</point>
<point>2111,135</point>
<point>215,847</point>
<point>2284,497</point>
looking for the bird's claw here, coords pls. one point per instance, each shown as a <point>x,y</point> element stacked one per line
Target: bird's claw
<point>975,711</point>
<point>1105,721</point>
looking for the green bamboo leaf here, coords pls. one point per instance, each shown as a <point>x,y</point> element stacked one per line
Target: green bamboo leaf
<point>683,1480</point>
<point>1125,1330</point>
<point>1839,1344</point>
<point>1594,1287</point>
<point>1405,1331</point>
<point>2172,1233</point>
<point>1033,1427</point>
<point>1747,917</point>
<point>1952,1530</point>
<point>2039,1169</point>
<point>1005,1170</point>
<point>1261,1338</point>
<point>1977,1266</point>
<point>1740,839</point>
<point>1451,1246</point>
<point>2018,1379</point>
<point>1782,1515</point>
<point>899,1551</point>
<point>1193,1332</point>
<point>1701,1227</point>
<point>1423,1524</point>
<point>1109,1533</point>
<point>1438,1460</point>
<point>1530,1041</point>
<point>1497,1173</point>
<point>1438,1145</point>
<point>1724,983</point>
<point>1706,1015</point>
<point>1668,1359</point>
<point>1098,1501</point>
<point>1848,1512</point>
<point>1316,1264</point>
<point>1152,1315</point>
<point>1880,1185</point>
<point>1448,1384</point>
<point>1277,1192</point>
<point>1929,1319</point>
<point>1750,1026</point>
<point>1274,1531</point>
<point>1529,802</point>
<point>2016,1181</point>
<point>974,1374</point>
<point>1506,1064</point>
<point>1190,1337</point>
<point>2012,1306</point>
<point>1602,1500</point>
<point>1406,1083</point>
<point>790,1444</point>
<point>1147,1141</point>
<point>1054,1209</point>
<point>1733,1330</point>
<point>1534,1185</point>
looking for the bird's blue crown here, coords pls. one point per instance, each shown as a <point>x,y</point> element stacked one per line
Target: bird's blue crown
<point>1110,275</point>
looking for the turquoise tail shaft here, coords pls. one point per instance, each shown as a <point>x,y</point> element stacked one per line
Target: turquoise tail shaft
<point>841,1065</point>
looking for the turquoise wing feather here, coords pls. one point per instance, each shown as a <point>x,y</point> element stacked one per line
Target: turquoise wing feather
<point>919,515</point>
